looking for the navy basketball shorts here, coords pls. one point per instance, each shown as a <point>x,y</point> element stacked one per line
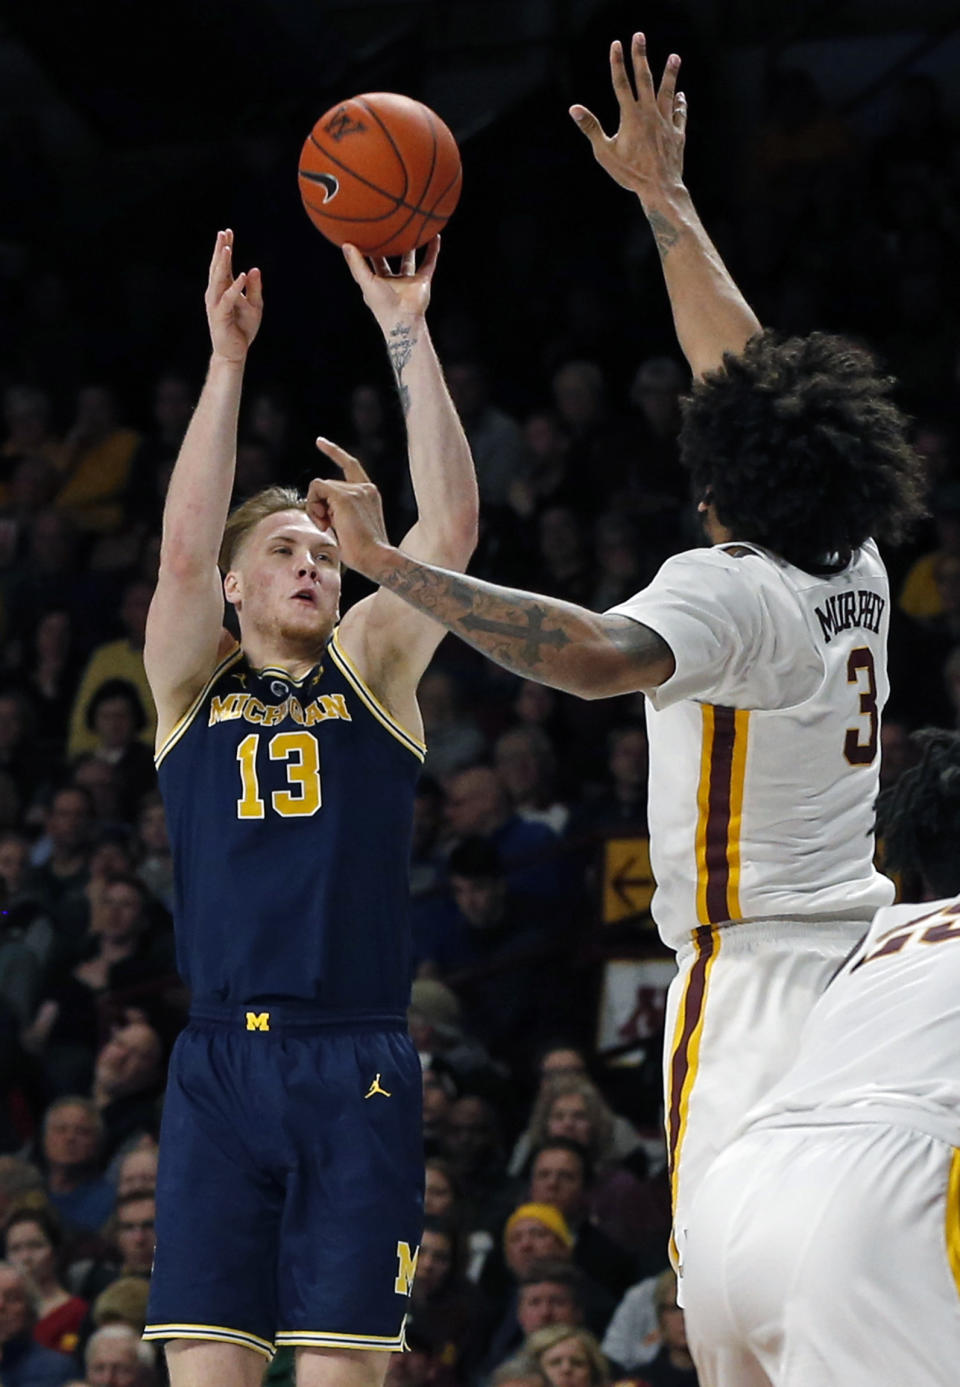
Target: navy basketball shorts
<point>290,1185</point>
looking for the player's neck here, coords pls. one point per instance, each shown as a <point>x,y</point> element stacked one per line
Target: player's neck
<point>294,657</point>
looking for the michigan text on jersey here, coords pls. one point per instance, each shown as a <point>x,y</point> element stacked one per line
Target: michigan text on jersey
<point>244,705</point>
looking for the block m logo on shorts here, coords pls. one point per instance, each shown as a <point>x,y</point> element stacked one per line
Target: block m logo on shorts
<point>258,1020</point>
<point>406,1268</point>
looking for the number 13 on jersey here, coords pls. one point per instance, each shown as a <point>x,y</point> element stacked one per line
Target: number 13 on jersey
<point>302,755</point>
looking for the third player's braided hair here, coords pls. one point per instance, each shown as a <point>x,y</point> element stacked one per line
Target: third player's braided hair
<point>919,817</point>
<point>800,449</point>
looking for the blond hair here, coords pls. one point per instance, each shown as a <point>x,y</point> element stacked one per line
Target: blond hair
<point>542,1340</point>
<point>269,501</point>
<point>600,1145</point>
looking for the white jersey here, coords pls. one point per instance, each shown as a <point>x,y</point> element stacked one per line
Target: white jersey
<point>883,1042</point>
<point>764,743</point>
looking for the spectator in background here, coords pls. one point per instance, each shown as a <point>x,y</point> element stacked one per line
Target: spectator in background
<point>19,1180</point>
<point>443,1305</point>
<point>633,1335</point>
<point>439,1190</point>
<point>440,1092</point>
<point>527,764</point>
<point>155,861</point>
<point>568,1357</point>
<point>565,564</point>
<point>132,1233</point>
<point>618,807</point>
<point>622,559</point>
<point>921,596</point>
<point>560,1174</point>
<point>500,957</point>
<point>30,490</point>
<point>20,968</point>
<point>71,1142</point>
<point>478,807</point>
<point>124,1301</point>
<point>128,1083</point>
<point>434,1020</point>
<point>98,455</point>
<point>114,1357</point>
<point>27,418</point>
<point>116,717</point>
<point>136,1169</point>
<point>453,738</point>
<point>544,480</point>
<point>473,1150</point>
<point>494,437</point>
<point>600,444</point>
<point>32,1243</point>
<point>519,1371</point>
<point>116,659</point>
<point>49,678</point>
<point>673,1365</point>
<point>548,1292</point>
<point>23,1362</point>
<point>19,752</point>
<point>61,857</point>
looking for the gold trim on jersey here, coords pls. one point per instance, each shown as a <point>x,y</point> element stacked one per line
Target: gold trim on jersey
<point>183,723</point>
<point>685,1055</point>
<point>215,1333</point>
<point>306,1338</point>
<point>723,764</point>
<point>352,675</point>
<point>953,1218</point>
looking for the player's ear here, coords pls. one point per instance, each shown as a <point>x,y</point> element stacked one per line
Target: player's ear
<point>232,587</point>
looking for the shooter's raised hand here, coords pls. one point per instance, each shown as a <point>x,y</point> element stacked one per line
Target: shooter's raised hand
<point>392,294</point>
<point>646,152</point>
<point>234,304</point>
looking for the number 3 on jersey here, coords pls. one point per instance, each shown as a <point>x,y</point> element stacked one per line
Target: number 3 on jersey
<point>862,672</point>
<point>301,753</point>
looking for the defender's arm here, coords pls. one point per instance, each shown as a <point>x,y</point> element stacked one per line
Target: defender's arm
<point>645,155</point>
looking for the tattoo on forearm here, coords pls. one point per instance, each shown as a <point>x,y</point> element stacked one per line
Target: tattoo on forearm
<point>400,349</point>
<point>514,628</point>
<point>665,233</point>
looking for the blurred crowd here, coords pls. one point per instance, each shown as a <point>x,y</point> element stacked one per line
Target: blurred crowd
<point>543,1258</point>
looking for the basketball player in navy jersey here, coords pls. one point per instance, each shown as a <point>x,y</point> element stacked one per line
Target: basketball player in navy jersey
<point>289,1188</point>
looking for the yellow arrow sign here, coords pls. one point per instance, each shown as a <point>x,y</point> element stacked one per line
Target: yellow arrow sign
<point>628,883</point>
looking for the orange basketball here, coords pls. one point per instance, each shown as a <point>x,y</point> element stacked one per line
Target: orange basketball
<point>381,171</point>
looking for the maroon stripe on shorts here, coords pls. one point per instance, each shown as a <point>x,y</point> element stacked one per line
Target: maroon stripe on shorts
<point>717,835</point>
<point>692,1004</point>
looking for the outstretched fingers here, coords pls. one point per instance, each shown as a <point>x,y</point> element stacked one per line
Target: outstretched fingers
<point>667,95</point>
<point>641,68</point>
<point>622,89</point>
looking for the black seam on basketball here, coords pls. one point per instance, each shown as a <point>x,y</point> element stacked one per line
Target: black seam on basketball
<point>431,215</point>
<point>321,209</point>
<point>400,202</point>
<point>393,144</point>
<point>433,154</point>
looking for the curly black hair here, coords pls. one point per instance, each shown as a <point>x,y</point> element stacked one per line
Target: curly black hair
<point>919,817</point>
<point>800,449</point>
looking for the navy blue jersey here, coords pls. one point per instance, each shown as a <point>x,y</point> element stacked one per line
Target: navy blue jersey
<point>289,806</point>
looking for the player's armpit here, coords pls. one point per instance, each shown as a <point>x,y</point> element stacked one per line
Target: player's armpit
<point>643,648</point>
<point>184,642</point>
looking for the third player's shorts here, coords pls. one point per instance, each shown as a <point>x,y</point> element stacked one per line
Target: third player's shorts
<point>734,1014</point>
<point>827,1257</point>
<point>289,1192</point>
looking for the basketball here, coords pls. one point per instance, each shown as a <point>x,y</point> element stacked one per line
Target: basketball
<point>381,171</point>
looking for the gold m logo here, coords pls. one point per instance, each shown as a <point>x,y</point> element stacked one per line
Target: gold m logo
<point>258,1020</point>
<point>406,1268</point>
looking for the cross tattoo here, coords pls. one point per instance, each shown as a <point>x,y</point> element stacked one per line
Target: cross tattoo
<point>533,633</point>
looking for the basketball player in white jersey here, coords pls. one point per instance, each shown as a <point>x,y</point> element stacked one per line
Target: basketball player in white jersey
<point>762,658</point>
<point>825,1241</point>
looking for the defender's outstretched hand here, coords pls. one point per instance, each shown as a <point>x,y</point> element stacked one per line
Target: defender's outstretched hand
<point>391,294</point>
<point>234,305</point>
<point>646,152</point>
<point>352,508</point>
